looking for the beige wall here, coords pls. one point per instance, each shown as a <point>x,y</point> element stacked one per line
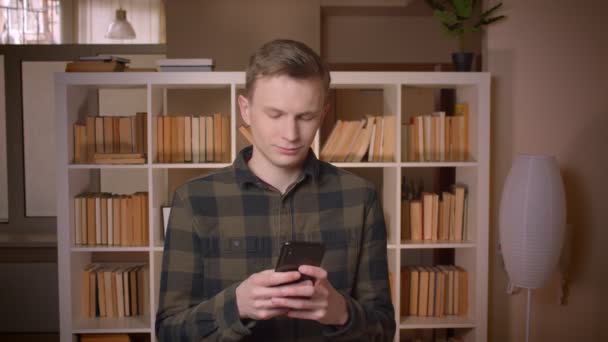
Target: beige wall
<point>385,39</point>
<point>550,79</point>
<point>230,30</point>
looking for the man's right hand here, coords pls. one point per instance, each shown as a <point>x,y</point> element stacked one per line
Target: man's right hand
<point>254,295</point>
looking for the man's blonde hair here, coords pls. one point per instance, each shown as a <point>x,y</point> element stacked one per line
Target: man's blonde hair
<point>285,57</point>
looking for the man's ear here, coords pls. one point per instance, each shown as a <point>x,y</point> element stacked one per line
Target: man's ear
<point>245,108</point>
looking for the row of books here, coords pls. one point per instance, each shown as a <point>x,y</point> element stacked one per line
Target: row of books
<point>371,139</point>
<point>115,290</point>
<point>192,139</point>
<point>107,136</point>
<point>114,338</point>
<point>99,63</point>
<point>430,217</point>
<point>185,64</point>
<point>104,219</point>
<point>110,63</point>
<point>434,291</point>
<point>437,137</point>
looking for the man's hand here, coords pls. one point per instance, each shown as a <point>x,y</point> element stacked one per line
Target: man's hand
<point>254,295</point>
<point>325,305</point>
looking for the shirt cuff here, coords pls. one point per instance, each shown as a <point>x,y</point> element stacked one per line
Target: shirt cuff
<point>227,319</point>
<point>355,313</point>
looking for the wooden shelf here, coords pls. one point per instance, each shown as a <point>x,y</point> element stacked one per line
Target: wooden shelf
<point>191,166</point>
<point>102,166</point>
<point>137,324</point>
<point>436,244</point>
<point>110,249</point>
<point>414,322</point>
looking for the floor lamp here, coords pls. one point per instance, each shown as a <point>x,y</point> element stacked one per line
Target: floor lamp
<point>532,222</point>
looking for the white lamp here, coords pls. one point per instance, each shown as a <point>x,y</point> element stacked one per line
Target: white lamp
<point>120,28</point>
<point>532,222</point>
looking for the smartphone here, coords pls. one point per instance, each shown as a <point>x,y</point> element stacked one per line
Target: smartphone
<point>297,253</point>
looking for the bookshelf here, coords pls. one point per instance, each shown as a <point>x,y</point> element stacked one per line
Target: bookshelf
<point>77,95</point>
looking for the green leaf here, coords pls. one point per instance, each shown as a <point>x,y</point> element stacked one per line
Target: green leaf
<point>446,17</point>
<point>463,8</point>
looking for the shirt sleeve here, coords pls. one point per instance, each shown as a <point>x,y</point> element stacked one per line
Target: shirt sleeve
<point>184,314</point>
<point>370,310</point>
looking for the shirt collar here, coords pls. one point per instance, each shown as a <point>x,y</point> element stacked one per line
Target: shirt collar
<point>245,176</point>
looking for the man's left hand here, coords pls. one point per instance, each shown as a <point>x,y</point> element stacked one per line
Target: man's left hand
<point>325,305</point>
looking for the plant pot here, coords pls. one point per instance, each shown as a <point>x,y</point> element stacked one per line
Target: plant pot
<point>463,61</point>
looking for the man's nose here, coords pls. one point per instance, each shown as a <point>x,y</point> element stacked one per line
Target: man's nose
<point>290,130</point>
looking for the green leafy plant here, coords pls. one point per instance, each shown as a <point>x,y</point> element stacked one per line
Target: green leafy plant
<point>458,17</point>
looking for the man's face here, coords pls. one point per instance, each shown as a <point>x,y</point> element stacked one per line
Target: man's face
<point>284,115</point>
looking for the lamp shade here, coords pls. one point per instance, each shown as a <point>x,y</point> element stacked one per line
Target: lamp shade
<point>120,28</point>
<point>532,220</point>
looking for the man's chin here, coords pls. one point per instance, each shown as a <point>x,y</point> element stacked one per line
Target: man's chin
<point>289,162</point>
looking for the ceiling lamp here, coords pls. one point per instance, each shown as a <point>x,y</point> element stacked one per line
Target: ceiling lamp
<point>120,28</point>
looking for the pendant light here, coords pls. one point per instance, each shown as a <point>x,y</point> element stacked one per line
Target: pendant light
<point>120,28</point>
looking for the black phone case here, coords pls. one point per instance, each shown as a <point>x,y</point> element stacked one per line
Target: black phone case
<point>297,253</point>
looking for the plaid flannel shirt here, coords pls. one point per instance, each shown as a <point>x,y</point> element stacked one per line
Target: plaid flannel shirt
<point>228,225</point>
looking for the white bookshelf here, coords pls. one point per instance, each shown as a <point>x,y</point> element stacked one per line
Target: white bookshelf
<point>76,97</point>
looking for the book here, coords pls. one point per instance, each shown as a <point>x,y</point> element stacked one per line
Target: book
<point>187,139</point>
<point>116,220</point>
<point>209,139</point>
<point>246,133</point>
<point>121,161</point>
<point>118,155</point>
<point>202,131</point>
<point>95,66</point>
<point>459,199</point>
<point>105,58</point>
<point>405,291</point>
<point>379,139</point>
<point>195,140</point>
<point>184,62</point>
<point>194,68</point>
<point>225,151</point>
<point>217,137</point>
<point>423,295</point>
<point>389,141</point>
<point>416,217</point>
<point>414,290</point>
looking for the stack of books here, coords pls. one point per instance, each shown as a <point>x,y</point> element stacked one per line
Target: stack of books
<point>111,140</point>
<point>192,138</point>
<point>434,291</point>
<point>105,219</point>
<point>438,137</point>
<point>185,64</point>
<point>100,63</point>
<point>369,139</point>
<point>435,217</point>
<point>115,290</point>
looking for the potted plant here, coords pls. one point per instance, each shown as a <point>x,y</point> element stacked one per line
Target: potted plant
<point>458,18</point>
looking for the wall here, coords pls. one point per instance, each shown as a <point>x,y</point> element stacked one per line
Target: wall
<point>230,30</point>
<point>385,39</point>
<point>550,75</point>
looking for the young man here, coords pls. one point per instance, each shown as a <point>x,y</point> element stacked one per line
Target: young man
<point>226,229</point>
